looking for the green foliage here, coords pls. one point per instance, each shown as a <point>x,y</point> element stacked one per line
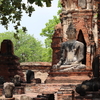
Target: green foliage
<point>47,54</point>
<point>11,11</point>
<point>40,2</point>
<point>48,42</point>
<point>48,31</point>
<point>26,47</point>
<point>59,6</point>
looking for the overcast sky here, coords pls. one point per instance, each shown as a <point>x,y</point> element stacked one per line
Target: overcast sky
<point>37,21</point>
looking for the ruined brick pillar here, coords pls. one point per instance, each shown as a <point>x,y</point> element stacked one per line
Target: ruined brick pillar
<point>98,50</point>
<point>56,43</point>
<point>98,22</point>
<point>9,63</point>
<point>82,20</point>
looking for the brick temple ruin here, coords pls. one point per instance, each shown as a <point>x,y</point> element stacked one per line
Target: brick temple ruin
<point>9,63</point>
<point>85,15</point>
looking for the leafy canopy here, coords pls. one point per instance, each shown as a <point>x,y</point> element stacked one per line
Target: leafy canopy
<point>27,48</point>
<point>48,31</point>
<point>11,11</point>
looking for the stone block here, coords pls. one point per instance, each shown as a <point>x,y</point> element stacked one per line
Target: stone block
<point>36,80</point>
<point>82,3</point>
<point>19,90</point>
<point>26,98</point>
<point>7,98</point>
<point>89,0</point>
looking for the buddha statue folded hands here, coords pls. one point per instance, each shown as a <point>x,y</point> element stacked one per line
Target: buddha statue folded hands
<point>72,53</point>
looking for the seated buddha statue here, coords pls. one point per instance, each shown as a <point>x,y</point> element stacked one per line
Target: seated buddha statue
<point>72,53</point>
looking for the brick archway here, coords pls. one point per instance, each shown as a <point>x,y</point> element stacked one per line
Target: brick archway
<point>80,38</point>
<point>83,32</point>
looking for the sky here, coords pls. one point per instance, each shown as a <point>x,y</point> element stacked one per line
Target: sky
<point>37,21</point>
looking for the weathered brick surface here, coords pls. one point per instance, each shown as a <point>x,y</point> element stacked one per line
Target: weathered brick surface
<point>42,88</point>
<point>39,66</point>
<point>9,63</point>
<point>69,80</point>
<point>56,43</point>
<point>83,19</point>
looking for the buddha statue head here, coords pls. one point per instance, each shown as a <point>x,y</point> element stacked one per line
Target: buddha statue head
<point>71,32</point>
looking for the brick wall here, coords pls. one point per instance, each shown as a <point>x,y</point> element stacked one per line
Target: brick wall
<point>83,15</point>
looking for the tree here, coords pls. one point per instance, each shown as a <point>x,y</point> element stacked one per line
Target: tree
<point>49,30</point>
<point>47,55</point>
<point>11,11</point>
<point>26,47</point>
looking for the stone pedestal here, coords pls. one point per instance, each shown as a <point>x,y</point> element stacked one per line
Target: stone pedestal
<point>71,68</point>
<point>68,77</point>
<point>66,92</point>
<point>65,96</point>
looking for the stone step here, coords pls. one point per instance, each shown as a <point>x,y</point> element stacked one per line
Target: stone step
<point>88,73</point>
<point>67,79</point>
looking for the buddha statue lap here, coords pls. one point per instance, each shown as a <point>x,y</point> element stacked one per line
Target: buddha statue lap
<point>72,53</point>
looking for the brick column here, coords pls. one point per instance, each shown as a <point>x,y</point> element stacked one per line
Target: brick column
<point>98,23</point>
<point>56,44</point>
